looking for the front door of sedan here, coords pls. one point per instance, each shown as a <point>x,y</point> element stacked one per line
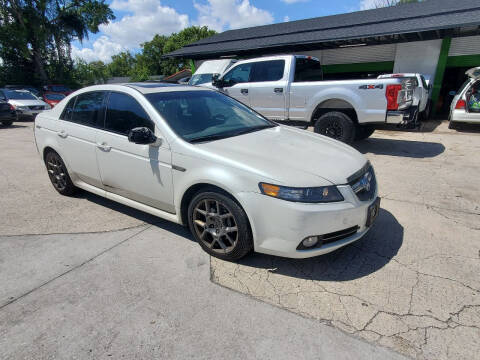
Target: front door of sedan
<point>139,172</point>
<point>235,82</point>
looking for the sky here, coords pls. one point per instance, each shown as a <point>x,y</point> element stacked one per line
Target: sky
<point>137,21</point>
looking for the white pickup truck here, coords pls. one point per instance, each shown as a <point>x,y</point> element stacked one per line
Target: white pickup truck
<point>289,88</point>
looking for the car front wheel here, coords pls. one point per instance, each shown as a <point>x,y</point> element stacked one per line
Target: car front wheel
<point>7,123</point>
<point>220,225</point>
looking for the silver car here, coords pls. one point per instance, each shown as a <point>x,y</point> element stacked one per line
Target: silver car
<point>465,106</point>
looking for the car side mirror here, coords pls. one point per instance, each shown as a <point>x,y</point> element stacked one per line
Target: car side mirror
<point>216,81</point>
<point>142,136</point>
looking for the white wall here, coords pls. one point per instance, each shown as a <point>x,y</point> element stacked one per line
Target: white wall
<point>418,57</point>
<point>469,45</point>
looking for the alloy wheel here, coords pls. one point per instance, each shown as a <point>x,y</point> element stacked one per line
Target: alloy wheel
<point>333,129</point>
<point>215,225</point>
<point>56,171</point>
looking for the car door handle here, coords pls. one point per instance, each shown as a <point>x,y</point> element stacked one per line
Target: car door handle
<point>244,91</point>
<point>278,90</point>
<point>104,146</point>
<point>63,134</point>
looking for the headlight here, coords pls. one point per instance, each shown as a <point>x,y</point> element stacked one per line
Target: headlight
<point>22,108</point>
<point>322,194</point>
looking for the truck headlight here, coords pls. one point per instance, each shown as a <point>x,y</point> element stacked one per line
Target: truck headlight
<point>322,194</point>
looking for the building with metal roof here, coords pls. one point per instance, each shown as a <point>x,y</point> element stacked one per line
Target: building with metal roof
<point>438,38</point>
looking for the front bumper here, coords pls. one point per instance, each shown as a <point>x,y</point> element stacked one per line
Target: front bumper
<point>279,226</point>
<point>28,114</point>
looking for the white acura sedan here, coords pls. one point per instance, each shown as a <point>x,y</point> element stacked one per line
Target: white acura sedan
<point>198,157</point>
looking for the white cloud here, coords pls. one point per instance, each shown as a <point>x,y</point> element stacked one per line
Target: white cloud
<point>231,14</point>
<point>145,18</point>
<point>286,19</point>
<point>373,4</point>
<point>102,49</point>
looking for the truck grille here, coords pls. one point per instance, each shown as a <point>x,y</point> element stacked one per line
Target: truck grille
<point>364,183</point>
<point>36,107</point>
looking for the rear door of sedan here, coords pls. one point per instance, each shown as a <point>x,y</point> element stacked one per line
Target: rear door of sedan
<point>142,173</point>
<point>76,135</point>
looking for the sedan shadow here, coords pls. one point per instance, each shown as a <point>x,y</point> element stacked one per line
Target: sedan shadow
<point>353,261</point>
<point>403,148</point>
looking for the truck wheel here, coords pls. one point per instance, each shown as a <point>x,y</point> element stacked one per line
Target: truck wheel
<point>336,125</point>
<point>364,131</point>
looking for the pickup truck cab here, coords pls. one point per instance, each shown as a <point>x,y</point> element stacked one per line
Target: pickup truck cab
<point>289,88</point>
<point>421,92</point>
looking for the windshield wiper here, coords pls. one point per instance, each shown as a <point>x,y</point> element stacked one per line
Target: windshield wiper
<point>230,134</point>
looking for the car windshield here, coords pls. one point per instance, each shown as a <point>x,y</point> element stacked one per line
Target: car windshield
<point>198,116</point>
<point>19,95</point>
<point>59,88</point>
<point>198,79</point>
<point>54,96</point>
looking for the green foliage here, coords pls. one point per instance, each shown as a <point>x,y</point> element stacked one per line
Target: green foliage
<point>121,65</point>
<point>36,36</point>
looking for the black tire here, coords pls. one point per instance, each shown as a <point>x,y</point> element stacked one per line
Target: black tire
<point>7,123</point>
<point>336,125</point>
<point>213,235</point>
<point>364,131</point>
<point>452,125</point>
<point>58,174</point>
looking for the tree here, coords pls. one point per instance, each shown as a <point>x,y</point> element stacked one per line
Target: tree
<point>36,35</point>
<point>122,64</point>
<point>90,74</point>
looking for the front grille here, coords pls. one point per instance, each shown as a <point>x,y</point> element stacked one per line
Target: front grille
<point>364,184</point>
<point>36,107</point>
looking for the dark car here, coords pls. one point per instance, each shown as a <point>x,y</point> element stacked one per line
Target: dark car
<point>7,113</point>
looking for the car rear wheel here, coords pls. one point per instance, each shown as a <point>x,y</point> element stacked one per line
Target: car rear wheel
<point>220,225</point>
<point>7,123</point>
<point>452,125</point>
<point>336,125</point>
<point>58,174</point>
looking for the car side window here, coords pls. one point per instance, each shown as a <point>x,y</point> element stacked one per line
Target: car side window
<point>268,71</point>
<point>307,70</point>
<point>68,110</point>
<point>89,109</point>
<point>238,75</point>
<point>125,113</point>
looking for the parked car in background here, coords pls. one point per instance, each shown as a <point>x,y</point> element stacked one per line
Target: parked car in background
<point>204,73</point>
<point>7,113</point>
<point>289,88</point>
<point>35,91</point>
<point>421,92</point>
<point>26,105</point>
<point>52,99</point>
<point>184,81</point>
<point>197,157</point>
<point>62,89</point>
<point>465,106</point>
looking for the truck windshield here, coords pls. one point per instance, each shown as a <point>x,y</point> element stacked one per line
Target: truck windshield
<point>198,116</point>
<point>198,79</point>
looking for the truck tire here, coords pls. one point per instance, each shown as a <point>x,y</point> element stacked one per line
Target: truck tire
<point>364,131</point>
<point>336,125</point>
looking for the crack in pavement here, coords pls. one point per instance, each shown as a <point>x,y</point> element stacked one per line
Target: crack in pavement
<point>2,306</point>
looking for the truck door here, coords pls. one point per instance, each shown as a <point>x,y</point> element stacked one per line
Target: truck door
<point>268,87</point>
<point>235,82</point>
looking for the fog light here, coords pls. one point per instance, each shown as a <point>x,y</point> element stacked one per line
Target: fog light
<point>310,241</point>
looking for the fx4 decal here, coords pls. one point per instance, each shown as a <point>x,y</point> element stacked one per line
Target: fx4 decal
<point>368,87</point>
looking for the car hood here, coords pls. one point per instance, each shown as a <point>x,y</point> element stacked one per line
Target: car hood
<point>26,102</point>
<point>290,156</point>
